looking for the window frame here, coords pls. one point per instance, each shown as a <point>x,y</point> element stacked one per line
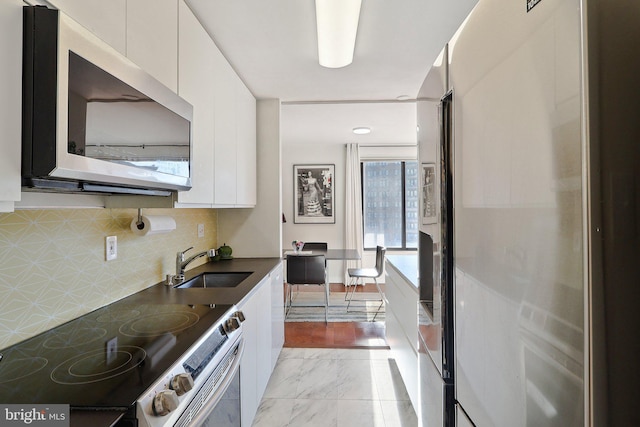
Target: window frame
<point>403,177</point>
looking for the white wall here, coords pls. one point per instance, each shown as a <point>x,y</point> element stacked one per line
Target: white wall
<point>333,234</point>
<point>295,153</point>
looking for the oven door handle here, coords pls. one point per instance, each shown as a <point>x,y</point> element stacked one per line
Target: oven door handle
<point>213,400</point>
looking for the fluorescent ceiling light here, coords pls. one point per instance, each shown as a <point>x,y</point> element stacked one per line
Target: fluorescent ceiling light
<point>361,130</point>
<point>337,24</point>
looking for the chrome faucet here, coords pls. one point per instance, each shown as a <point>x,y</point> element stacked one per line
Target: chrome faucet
<point>182,263</point>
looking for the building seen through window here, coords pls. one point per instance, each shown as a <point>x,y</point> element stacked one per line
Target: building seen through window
<point>390,204</point>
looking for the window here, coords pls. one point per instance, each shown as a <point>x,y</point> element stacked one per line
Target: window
<point>390,204</point>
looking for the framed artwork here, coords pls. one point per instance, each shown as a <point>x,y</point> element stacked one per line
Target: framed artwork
<point>313,194</point>
<point>429,211</point>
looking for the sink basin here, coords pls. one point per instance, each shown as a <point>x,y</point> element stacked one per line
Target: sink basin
<point>215,280</point>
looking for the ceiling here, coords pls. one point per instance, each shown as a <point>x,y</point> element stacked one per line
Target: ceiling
<point>272,46</point>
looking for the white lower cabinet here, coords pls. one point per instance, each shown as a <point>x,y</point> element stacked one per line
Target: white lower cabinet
<point>401,329</point>
<point>249,363</point>
<point>277,314</point>
<point>261,337</point>
<point>263,358</point>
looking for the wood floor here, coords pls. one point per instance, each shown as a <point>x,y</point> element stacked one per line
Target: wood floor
<point>367,335</point>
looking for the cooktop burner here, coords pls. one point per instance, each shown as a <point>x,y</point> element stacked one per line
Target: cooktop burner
<point>159,323</point>
<point>14,369</point>
<point>106,358</point>
<point>93,367</point>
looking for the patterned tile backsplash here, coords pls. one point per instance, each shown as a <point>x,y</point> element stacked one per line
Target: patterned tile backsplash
<point>53,268</point>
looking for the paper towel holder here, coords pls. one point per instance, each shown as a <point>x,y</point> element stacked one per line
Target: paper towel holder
<point>152,224</point>
<point>139,222</point>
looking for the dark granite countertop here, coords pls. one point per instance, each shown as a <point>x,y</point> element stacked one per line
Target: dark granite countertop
<point>162,294</point>
<point>259,267</point>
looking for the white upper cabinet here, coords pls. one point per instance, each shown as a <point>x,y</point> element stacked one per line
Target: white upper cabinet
<point>105,19</point>
<point>235,139</point>
<point>246,173</point>
<point>152,38</point>
<point>10,102</point>
<point>225,132</point>
<point>196,68</point>
<point>146,31</point>
<point>164,38</point>
<point>224,124</point>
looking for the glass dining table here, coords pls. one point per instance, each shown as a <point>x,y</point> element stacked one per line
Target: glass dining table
<point>330,255</point>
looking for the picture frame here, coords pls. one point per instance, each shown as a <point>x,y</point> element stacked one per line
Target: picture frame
<point>313,194</point>
<point>428,184</point>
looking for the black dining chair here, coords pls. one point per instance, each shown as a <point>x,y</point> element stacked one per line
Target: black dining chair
<point>318,247</point>
<point>307,270</point>
<point>358,275</point>
<point>315,246</point>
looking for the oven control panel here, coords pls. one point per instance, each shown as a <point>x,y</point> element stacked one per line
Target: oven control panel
<point>163,403</point>
<point>181,383</point>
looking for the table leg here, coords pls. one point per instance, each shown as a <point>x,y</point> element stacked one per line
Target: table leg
<point>326,283</point>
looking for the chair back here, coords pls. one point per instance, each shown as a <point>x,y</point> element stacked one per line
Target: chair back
<point>318,246</point>
<point>380,251</point>
<point>306,269</point>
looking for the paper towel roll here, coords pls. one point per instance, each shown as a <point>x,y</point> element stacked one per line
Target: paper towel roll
<point>153,224</point>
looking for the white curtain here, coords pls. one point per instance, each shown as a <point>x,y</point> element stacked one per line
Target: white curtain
<point>353,206</point>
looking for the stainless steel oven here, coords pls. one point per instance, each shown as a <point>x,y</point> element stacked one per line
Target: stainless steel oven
<point>203,386</point>
<point>227,410</point>
<point>143,362</point>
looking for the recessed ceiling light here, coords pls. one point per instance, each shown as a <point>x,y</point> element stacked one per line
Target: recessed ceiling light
<point>403,98</point>
<point>361,130</point>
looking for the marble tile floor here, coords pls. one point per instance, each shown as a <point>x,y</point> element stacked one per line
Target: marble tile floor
<point>322,387</point>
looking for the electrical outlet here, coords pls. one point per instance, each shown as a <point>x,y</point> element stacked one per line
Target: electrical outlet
<point>200,230</point>
<point>111,247</point>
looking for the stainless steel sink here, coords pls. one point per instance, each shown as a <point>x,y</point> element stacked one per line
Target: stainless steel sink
<point>215,280</point>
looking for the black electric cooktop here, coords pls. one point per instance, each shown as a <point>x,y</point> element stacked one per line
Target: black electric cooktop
<point>105,359</point>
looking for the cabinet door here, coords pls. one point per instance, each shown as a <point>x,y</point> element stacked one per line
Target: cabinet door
<point>248,364</point>
<point>225,132</point>
<point>263,365</point>
<point>152,38</point>
<point>402,328</point>
<point>255,367</point>
<point>105,19</point>
<point>277,314</point>
<point>10,101</point>
<point>246,173</point>
<point>197,64</point>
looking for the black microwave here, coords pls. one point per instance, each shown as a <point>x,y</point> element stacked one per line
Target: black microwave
<point>93,121</point>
